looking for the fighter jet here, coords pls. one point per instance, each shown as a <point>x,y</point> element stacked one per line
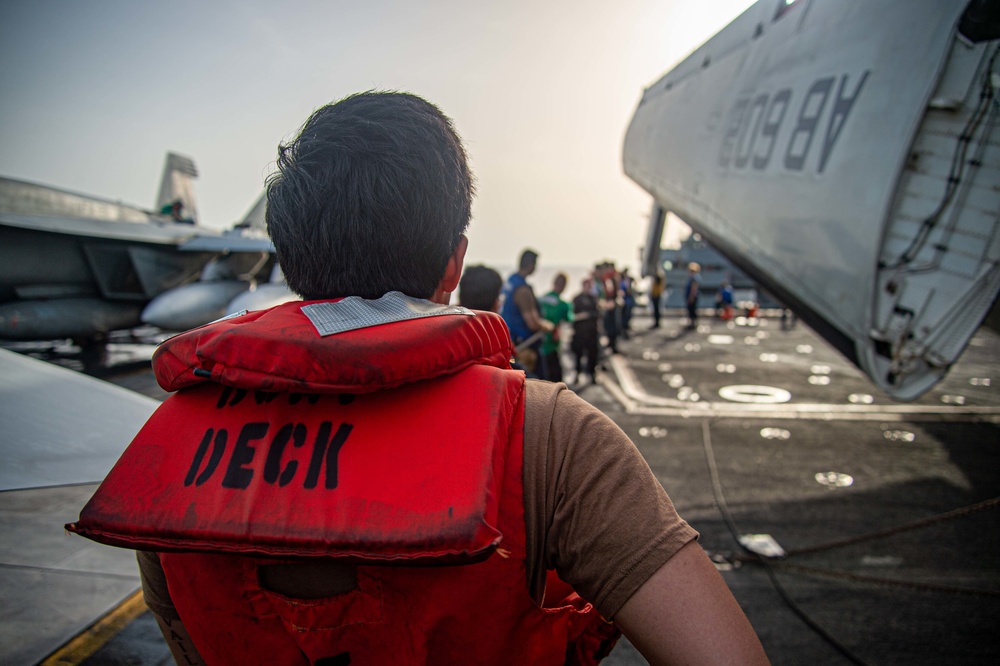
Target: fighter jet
<point>77,266</point>
<point>844,154</point>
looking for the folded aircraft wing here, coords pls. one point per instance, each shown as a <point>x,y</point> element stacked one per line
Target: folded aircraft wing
<point>845,155</point>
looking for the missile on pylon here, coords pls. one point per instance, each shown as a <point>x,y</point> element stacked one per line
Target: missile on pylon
<point>192,305</point>
<point>77,318</point>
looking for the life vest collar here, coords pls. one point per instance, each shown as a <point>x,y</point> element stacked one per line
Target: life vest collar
<point>281,349</point>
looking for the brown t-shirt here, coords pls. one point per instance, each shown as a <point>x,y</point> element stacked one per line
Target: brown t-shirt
<point>594,512</point>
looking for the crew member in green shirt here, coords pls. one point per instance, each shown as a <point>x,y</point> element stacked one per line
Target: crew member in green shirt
<point>555,310</point>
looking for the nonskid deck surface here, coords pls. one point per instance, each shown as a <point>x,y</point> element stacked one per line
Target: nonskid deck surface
<point>794,443</point>
<point>850,484</point>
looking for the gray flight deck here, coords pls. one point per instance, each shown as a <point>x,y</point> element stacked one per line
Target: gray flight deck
<point>824,474</point>
<point>61,433</point>
<point>771,425</point>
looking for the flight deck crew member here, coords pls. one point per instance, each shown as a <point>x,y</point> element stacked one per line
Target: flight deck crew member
<point>691,290</point>
<point>556,311</point>
<point>317,457</point>
<point>522,315</point>
<point>479,289</point>
<point>586,343</point>
<point>656,296</point>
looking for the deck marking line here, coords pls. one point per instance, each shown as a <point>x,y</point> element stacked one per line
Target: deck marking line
<point>626,388</point>
<point>94,637</point>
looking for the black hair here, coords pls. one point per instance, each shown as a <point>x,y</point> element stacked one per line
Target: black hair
<point>528,258</point>
<point>479,288</point>
<point>372,196</point>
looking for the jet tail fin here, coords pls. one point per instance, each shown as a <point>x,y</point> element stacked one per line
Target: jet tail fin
<point>254,219</point>
<point>177,184</point>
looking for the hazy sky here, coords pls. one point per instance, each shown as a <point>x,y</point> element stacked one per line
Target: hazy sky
<point>93,94</point>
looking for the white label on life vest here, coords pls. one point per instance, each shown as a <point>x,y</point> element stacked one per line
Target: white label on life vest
<point>354,312</point>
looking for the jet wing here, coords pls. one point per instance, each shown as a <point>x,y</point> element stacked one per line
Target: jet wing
<point>228,242</point>
<point>844,155</point>
<point>166,233</point>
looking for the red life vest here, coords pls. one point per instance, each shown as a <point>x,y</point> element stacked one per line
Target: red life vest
<point>396,449</point>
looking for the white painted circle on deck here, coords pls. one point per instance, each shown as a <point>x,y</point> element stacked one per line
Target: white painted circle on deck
<point>752,393</point>
<point>834,479</point>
